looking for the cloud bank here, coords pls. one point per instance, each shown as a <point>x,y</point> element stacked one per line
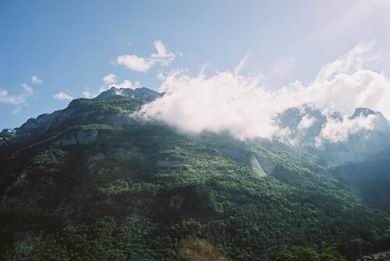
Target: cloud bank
<point>244,107</point>
<point>336,131</point>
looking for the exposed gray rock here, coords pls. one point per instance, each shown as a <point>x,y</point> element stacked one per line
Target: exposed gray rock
<point>256,167</point>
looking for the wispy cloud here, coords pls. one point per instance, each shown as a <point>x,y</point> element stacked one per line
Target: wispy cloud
<point>87,94</point>
<point>36,80</point>
<point>110,79</point>
<point>62,96</point>
<point>161,55</point>
<point>6,97</point>
<point>16,99</point>
<point>140,64</point>
<point>20,98</point>
<point>27,89</point>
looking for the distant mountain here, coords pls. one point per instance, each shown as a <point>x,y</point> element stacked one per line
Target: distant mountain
<point>91,183</point>
<point>363,112</point>
<point>306,124</point>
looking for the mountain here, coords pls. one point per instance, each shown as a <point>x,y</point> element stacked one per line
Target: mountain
<point>359,162</point>
<point>369,133</point>
<point>305,124</point>
<point>140,94</point>
<point>90,182</point>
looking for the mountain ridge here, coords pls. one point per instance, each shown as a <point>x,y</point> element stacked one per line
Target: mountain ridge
<point>89,182</point>
<point>294,115</point>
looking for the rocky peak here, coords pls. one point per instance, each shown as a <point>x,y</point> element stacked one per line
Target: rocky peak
<point>142,94</point>
<point>292,117</point>
<point>381,123</point>
<point>362,112</point>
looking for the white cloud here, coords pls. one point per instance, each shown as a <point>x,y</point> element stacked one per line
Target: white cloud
<point>16,99</point>
<point>306,122</point>
<point>242,106</point>
<point>223,102</point>
<point>21,97</point>
<point>27,88</point>
<point>126,84</point>
<point>36,80</point>
<point>5,97</point>
<point>346,84</point>
<point>87,94</point>
<point>110,79</point>
<point>140,64</point>
<point>354,61</point>
<point>335,130</point>
<point>162,55</point>
<point>62,96</point>
<point>135,63</point>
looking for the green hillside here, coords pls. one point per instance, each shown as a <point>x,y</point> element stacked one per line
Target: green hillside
<point>92,183</point>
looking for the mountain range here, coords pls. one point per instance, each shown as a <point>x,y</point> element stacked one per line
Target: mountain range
<point>92,182</point>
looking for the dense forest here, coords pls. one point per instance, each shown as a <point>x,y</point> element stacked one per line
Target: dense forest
<point>91,182</point>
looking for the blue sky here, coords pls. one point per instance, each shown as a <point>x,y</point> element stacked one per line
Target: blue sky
<point>70,46</point>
